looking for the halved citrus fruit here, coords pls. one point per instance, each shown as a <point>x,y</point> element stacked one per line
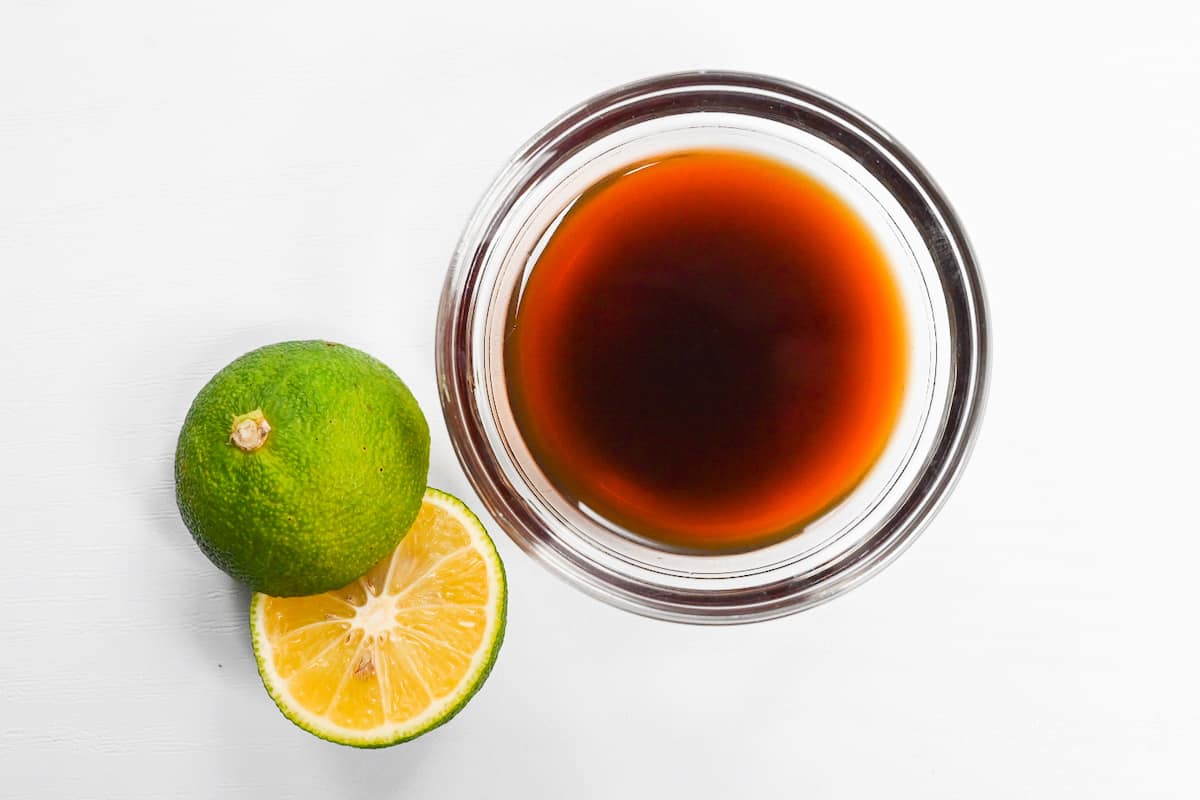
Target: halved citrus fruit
<point>397,652</point>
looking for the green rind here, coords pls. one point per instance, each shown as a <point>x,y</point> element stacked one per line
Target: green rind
<point>476,684</point>
<point>343,469</point>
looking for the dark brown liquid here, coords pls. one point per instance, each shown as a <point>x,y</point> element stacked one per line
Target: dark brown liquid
<point>710,351</point>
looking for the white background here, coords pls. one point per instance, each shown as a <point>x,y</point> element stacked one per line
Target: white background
<point>180,183</point>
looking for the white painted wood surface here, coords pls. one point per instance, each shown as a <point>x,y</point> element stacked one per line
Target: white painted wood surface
<point>182,182</point>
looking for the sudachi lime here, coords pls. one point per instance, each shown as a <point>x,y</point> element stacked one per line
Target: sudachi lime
<point>397,652</point>
<point>300,465</point>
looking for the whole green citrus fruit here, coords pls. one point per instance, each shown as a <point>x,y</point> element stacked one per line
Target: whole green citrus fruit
<point>300,465</point>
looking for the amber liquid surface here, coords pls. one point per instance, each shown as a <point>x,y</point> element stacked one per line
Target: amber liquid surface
<point>710,351</point>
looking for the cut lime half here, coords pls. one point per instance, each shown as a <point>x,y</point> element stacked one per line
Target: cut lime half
<point>397,652</point>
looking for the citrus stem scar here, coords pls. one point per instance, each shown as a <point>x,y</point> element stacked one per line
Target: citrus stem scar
<point>250,430</point>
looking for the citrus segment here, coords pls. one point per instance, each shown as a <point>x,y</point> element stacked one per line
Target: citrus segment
<point>398,651</point>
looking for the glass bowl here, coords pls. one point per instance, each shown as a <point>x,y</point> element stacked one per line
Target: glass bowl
<point>934,269</point>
